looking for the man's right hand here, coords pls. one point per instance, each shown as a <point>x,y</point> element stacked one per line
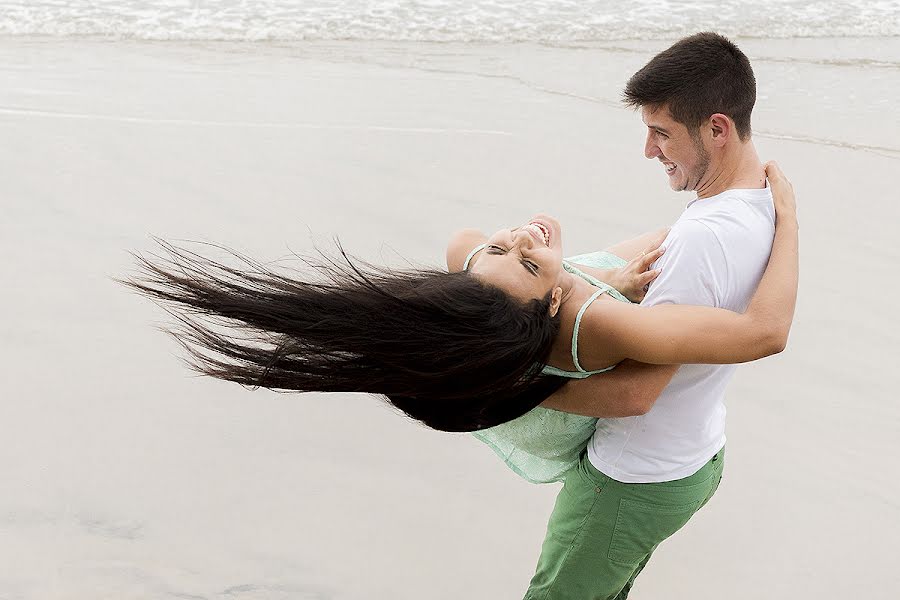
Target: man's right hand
<point>628,390</point>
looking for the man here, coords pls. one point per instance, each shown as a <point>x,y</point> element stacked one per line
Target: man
<point>643,476</point>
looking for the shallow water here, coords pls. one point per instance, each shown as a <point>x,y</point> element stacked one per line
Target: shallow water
<point>445,20</point>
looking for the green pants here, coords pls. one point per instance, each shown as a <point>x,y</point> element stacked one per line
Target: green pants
<point>602,532</point>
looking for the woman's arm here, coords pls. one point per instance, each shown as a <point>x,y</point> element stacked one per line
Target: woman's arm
<point>670,334</point>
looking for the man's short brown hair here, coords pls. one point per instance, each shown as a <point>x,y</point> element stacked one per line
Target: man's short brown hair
<point>697,77</point>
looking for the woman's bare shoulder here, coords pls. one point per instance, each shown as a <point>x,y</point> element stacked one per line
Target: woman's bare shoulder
<point>593,350</point>
<point>601,325</point>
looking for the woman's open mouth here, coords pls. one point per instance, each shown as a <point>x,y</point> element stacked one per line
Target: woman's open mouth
<point>540,231</point>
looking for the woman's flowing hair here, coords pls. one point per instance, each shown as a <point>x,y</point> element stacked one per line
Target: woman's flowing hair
<point>445,348</point>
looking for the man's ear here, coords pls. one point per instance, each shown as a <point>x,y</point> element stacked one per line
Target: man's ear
<point>555,300</point>
<point>722,129</point>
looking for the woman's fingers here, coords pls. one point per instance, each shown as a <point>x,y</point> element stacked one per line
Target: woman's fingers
<point>642,285</point>
<point>647,278</point>
<point>636,276</point>
<point>650,256</point>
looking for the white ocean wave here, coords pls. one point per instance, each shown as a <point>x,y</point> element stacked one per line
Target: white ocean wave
<point>444,20</point>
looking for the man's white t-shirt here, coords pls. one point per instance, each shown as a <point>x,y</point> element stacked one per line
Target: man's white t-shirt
<point>715,255</point>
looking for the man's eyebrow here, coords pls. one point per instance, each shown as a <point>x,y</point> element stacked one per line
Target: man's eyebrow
<point>662,130</point>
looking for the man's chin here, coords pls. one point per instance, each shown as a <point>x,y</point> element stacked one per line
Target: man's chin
<point>677,184</point>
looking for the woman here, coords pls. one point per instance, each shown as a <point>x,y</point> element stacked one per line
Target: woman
<point>459,351</point>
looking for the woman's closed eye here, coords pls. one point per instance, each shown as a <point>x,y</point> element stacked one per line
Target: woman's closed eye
<point>529,265</point>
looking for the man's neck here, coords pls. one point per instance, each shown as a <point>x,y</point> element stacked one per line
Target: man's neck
<point>739,168</point>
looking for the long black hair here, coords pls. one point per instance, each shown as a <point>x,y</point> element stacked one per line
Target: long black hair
<point>445,348</point>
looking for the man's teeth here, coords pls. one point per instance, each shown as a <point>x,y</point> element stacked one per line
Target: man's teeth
<point>540,230</point>
<point>669,168</point>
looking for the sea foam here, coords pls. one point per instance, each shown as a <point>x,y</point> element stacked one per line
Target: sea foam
<point>444,20</point>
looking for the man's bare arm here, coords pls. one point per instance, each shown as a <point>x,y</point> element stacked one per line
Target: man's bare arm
<point>628,390</point>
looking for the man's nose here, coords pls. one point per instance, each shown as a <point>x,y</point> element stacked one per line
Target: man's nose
<point>651,150</point>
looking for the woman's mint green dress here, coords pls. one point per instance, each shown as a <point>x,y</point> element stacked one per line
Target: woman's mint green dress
<point>543,444</point>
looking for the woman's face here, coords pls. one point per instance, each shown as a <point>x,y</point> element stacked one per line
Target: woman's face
<point>526,261</point>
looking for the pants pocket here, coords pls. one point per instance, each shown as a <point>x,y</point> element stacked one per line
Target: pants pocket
<point>641,526</point>
<point>712,493</point>
<point>717,479</point>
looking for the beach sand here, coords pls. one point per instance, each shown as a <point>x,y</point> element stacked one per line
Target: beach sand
<point>125,476</point>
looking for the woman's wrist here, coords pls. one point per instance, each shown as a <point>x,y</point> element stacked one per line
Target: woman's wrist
<point>616,279</point>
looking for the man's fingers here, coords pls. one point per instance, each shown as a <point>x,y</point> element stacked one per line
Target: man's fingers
<point>773,171</point>
<point>777,177</point>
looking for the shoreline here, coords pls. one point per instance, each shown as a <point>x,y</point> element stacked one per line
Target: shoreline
<point>813,55</point>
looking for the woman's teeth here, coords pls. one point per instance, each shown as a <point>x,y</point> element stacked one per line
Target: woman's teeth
<point>540,230</point>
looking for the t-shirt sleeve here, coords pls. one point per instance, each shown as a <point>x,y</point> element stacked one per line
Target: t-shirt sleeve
<point>694,269</point>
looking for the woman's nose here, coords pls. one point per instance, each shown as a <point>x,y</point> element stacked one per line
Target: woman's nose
<point>521,236</point>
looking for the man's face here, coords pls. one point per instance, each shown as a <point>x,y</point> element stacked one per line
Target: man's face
<point>682,155</point>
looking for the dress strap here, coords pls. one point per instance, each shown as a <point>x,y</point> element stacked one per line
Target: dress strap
<point>613,292</point>
<point>584,307</point>
<point>474,251</point>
